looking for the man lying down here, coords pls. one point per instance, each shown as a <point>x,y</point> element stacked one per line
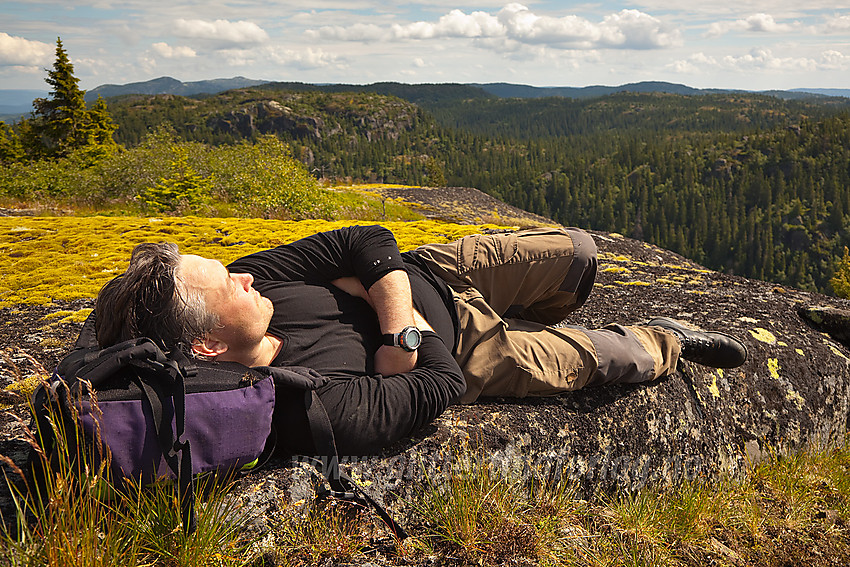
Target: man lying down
<point>400,335</point>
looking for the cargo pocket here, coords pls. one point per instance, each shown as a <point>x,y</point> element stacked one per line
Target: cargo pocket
<point>482,251</point>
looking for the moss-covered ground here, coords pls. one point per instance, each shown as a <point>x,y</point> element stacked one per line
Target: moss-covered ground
<point>43,259</point>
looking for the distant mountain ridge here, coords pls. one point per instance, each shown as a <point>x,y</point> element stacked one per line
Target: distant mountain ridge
<point>15,103</point>
<point>825,92</point>
<point>509,90</point>
<point>169,85</point>
<point>19,101</point>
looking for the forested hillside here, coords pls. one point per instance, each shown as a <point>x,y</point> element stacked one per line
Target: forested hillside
<point>746,183</point>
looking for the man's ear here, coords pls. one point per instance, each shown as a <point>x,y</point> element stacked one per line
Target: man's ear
<point>209,346</point>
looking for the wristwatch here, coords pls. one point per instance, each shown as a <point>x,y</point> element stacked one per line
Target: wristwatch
<point>408,338</point>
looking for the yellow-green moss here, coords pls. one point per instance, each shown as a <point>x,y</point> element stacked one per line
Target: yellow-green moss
<point>52,342</point>
<point>57,314</point>
<point>26,386</point>
<point>613,257</point>
<point>66,316</point>
<point>773,368</point>
<point>715,391</point>
<point>618,282</point>
<point>837,352</point>
<point>43,259</point>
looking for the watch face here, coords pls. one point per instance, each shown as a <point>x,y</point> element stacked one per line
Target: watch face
<point>411,338</point>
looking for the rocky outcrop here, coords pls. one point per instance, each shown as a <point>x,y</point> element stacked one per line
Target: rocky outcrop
<point>700,422</point>
<point>383,118</point>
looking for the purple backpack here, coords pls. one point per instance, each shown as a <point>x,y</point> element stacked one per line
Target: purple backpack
<point>164,415</point>
<point>158,415</point>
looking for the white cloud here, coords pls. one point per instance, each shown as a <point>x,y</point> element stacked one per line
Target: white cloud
<point>834,60</point>
<point>454,24</point>
<point>761,60</point>
<point>306,59</point>
<point>177,52</point>
<point>524,26</point>
<point>836,24</point>
<point>764,59</point>
<point>355,32</point>
<point>756,23</point>
<point>516,24</point>
<point>222,33</point>
<point>631,29</point>
<point>696,63</point>
<point>18,51</point>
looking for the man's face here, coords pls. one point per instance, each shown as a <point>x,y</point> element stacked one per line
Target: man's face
<point>243,313</point>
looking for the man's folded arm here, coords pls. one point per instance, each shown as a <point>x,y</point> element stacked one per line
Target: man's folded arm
<point>365,252</point>
<point>371,412</point>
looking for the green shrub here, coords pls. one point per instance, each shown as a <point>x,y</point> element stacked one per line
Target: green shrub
<point>43,179</point>
<point>840,282</point>
<point>163,175</point>
<point>266,180</point>
<point>184,190</point>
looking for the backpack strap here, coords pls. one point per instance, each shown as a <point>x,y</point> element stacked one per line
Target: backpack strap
<point>174,446</point>
<point>341,485</point>
<point>161,378</point>
<point>321,430</point>
<point>95,366</point>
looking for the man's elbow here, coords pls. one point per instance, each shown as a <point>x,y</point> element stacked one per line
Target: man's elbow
<point>459,389</point>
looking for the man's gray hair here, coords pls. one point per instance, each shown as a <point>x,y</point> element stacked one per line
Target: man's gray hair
<point>151,300</point>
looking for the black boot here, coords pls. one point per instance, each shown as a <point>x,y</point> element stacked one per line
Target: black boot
<point>717,350</point>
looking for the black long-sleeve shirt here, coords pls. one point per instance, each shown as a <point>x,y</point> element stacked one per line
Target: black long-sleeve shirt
<point>337,334</point>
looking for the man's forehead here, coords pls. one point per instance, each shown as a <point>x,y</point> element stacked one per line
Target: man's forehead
<point>193,267</point>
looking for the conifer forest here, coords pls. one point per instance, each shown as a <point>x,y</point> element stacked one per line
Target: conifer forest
<point>745,183</point>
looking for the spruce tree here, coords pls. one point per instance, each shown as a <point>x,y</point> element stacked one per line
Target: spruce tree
<point>100,124</point>
<point>61,122</point>
<point>11,148</point>
<point>840,281</point>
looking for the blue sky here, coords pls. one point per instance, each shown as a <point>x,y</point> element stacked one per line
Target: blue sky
<point>746,44</point>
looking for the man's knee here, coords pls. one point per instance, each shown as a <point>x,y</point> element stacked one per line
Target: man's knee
<point>582,271</point>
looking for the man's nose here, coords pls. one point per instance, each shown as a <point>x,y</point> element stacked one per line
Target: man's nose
<point>246,280</point>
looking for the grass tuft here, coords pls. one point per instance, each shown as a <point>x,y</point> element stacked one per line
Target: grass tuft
<point>330,530</point>
<point>476,513</point>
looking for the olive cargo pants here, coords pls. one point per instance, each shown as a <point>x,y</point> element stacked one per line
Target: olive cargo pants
<point>510,289</point>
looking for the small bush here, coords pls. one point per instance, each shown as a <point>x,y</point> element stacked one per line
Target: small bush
<point>184,190</point>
